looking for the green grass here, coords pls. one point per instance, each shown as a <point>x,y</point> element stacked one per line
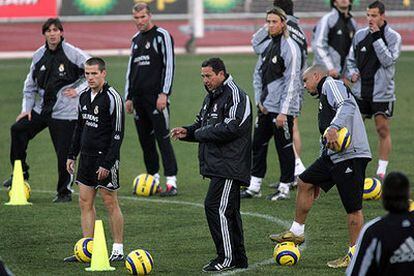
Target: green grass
<point>34,239</point>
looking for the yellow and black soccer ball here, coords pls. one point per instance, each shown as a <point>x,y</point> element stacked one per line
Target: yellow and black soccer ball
<point>344,139</point>
<point>372,189</point>
<point>139,262</point>
<point>27,190</point>
<point>286,254</point>
<point>145,185</point>
<point>83,250</point>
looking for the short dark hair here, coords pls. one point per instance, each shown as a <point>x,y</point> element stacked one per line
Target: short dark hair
<point>286,5</point>
<point>50,22</point>
<point>141,6</point>
<point>379,5</point>
<point>396,192</point>
<point>216,64</point>
<point>96,61</point>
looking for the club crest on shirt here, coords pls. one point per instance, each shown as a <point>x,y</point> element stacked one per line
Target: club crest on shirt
<point>215,108</point>
<point>274,59</point>
<point>61,67</point>
<point>148,45</point>
<point>96,110</point>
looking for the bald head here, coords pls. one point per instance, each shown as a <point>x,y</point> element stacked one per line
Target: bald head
<point>312,76</point>
<point>318,69</point>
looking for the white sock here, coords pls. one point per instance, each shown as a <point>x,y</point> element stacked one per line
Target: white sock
<point>157,177</point>
<point>297,229</point>
<point>284,187</point>
<point>299,167</point>
<point>382,167</point>
<point>255,184</point>
<point>172,180</point>
<point>118,248</point>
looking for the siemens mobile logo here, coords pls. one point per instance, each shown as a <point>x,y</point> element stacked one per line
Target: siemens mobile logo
<point>143,60</point>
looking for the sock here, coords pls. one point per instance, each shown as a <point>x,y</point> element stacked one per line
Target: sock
<point>297,229</point>
<point>118,248</point>
<point>351,251</point>
<point>299,167</point>
<point>157,177</point>
<point>284,187</point>
<point>172,180</point>
<point>255,184</point>
<point>382,167</point>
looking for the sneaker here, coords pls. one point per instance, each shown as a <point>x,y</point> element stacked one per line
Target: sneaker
<point>70,259</point>
<point>340,262</point>
<point>278,195</point>
<point>116,257</point>
<point>249,194</point>
<point>294,184</point>
<point>8,182</point>
<point>169,191</point>
<point>287,236</point>
<point>215,267</point>
<point>62,198</point>
<point>274,185</point>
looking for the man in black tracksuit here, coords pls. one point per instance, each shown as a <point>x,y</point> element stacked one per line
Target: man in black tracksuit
<point>223,131</point>
<point>386,244</point>
<point>50,99</point>
<point>148,86</point>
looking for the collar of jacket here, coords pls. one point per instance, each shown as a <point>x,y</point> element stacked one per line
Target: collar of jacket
<point>219,90</point>
<point>58,47</point>
<point>150,30</point>
<point>320,84</point>
<point>341,14</point>
<point>382,29</point>
<point>104,88</point>
<point>277,38</point>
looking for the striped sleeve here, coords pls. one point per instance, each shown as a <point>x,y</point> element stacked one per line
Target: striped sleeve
<point>339,99</point>
<point>167,48</point>
<point>388,52</point>
<point>320,42</point>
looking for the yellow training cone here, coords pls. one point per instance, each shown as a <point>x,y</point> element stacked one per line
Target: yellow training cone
<point>17,192</point>
<point>100,260</point>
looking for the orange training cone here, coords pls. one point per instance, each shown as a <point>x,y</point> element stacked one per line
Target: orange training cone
<point>17,192</point>
<point>100,260</point>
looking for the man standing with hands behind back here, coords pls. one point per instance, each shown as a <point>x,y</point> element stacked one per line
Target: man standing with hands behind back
<point>148,85</point>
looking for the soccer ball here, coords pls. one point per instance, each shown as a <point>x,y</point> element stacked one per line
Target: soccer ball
<point>344,139</point>
<point>27,190</point>
<point>286,254</point>
<point>145,185</point>
<point>139,262</point>
<point>372,189</point>
<point>83,250</point>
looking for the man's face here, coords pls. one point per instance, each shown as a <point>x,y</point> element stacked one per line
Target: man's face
<point>342,4</point>
<point>142,20</point>
<point>275,23</point>
<point>375,18</point>
<point>53,36</point>
<point>310,82</point>
<point>210,79</point>
<point>94,76</point>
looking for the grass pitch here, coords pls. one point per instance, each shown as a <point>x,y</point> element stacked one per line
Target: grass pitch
<point>35,239</point>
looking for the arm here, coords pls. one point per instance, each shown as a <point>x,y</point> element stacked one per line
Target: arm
<point>78,57</point>
<point>257,81</point>
<point>29,91</point>
<point>167,50</point>
<point>128,96</point>
<point>320,43</point>
<point>339,99</point>
<point>190,130</point>
<point>387,54</point>
<point>260,40</point>
<point>116,110</point>
<point>234,124</point>
<point>352,69</point>
<point>76,138</point>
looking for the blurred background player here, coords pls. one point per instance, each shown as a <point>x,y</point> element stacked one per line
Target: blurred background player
<point>148,85</point>
<point>386,244</point>
<point>332,37</point>
<point>345,169</point>
<point>260,42</point>
<point>50,99</point>
<point>223,130</point>
<point>98,138</point>
<point>374,52</point>
<point>278,101</point>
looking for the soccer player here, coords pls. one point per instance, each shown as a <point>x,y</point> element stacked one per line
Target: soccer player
<point>98,137</point>
<point>50,99</point>
<point>223,131</point>
<point>371,68</point>
<point>345,169</point>
<point>386,244</point>
<point>278,102</point>
<point>260,41</point>
<point>332,37</point>
<point>148,87</point>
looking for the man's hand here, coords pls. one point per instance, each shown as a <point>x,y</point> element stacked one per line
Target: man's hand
<point>24,114</point>
<point>178,133</point>
<point>102,173</point>
<point>355,77</point>
<point>262,108</point>
<point>162,101</point>
<point>70,166</point>
<point>281,119</point>
<point>129,106</point>
<point>70,92</point>
<point>333,73</point>
<point>331,137</point>
<point>374,28</point>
